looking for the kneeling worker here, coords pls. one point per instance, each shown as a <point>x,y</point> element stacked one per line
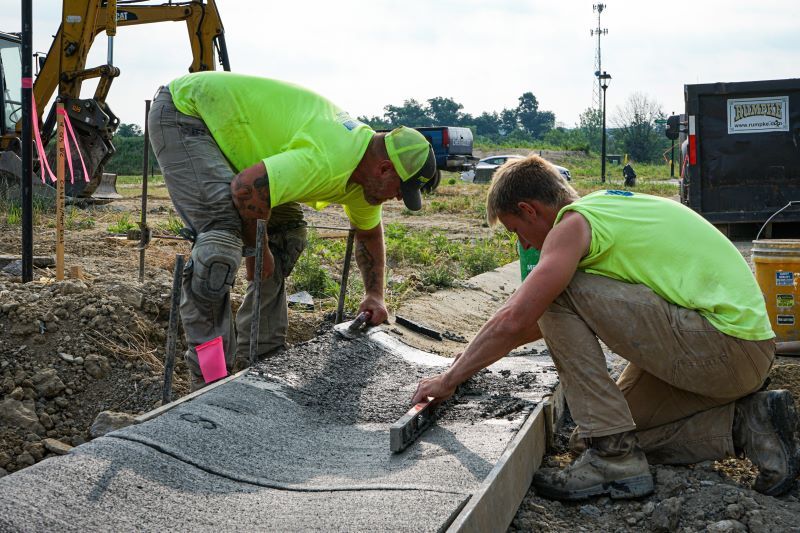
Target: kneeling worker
<point>235,149</point>
<point>666,291</point>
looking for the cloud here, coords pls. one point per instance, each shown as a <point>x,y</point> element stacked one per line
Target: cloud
<point>364,54</point>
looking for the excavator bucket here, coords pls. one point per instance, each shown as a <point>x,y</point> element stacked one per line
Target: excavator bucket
<point>107,189</point>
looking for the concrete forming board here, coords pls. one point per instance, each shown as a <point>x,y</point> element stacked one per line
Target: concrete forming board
<point>301,442</point>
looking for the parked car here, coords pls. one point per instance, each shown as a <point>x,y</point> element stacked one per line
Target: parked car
<point>485,168</point>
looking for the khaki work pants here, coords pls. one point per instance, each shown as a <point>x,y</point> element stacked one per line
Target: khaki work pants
<point>198,176</point>
<point>682,378</point>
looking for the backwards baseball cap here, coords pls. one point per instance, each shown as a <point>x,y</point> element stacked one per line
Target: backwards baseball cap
<point>413,159</point>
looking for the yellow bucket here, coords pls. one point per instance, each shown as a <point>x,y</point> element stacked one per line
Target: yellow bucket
<point>777,265</point>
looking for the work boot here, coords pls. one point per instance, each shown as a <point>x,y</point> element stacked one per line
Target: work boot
<point>613,465</point>
<point>765,427</point>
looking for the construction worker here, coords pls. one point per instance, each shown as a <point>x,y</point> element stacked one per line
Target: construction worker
<point>234,149</point>
<point>665,290</point>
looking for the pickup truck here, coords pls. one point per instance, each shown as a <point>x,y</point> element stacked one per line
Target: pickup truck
<point>452,147</point>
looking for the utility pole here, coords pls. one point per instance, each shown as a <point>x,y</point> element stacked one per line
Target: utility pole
<point>597,93</point>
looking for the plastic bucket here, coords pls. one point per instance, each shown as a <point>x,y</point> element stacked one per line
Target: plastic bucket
<point>777,266</point>
<point>527,260</point>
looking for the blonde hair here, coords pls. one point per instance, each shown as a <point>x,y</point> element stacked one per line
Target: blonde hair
<point>522,180</point>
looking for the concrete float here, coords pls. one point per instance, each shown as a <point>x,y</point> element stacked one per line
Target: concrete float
<point>301,442</point>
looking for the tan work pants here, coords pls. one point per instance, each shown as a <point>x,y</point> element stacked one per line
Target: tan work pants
<point>682,379</point>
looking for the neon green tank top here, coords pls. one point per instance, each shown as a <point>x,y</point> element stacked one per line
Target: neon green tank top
<point>309,146</point>
<point>653,241</point>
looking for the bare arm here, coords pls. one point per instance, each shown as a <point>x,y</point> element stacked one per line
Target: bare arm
<point>371,260</point>
<point>516,322</point>
<point>250,194</point>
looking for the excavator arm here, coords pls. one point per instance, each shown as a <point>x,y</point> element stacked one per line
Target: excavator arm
<point>64,70</point>
<point>82,21</point>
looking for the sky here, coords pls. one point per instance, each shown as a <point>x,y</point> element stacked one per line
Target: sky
<point>365,54</point>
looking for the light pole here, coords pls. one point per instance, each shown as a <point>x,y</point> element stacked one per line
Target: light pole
<point>604,80</point>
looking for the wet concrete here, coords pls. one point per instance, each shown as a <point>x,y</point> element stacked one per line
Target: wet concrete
<point>301,442</point>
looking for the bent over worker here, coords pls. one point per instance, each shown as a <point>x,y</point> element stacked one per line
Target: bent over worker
<point>234,149</point>
<point>662,288</point>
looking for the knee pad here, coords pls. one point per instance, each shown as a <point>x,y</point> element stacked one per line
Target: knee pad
<point>215,257</point>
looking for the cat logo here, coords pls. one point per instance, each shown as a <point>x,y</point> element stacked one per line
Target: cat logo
<point>124,16</point>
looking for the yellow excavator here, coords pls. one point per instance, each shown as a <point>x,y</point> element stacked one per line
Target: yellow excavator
<point>63,69</point>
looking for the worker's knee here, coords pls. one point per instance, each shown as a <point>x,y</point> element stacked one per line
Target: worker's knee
<point>215,260</point>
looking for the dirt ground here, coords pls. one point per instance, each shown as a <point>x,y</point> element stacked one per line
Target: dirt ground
<point>95,342</point>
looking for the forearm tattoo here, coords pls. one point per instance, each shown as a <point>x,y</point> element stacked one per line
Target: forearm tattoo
<point>367,264</point>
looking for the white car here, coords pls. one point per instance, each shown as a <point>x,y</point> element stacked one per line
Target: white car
<point>483,171</point>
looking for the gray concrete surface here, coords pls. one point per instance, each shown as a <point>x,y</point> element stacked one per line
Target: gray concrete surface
<point>301,442</point>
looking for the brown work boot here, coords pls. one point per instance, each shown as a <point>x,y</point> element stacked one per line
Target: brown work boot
<point>613,465</point>
<point>765,427</point>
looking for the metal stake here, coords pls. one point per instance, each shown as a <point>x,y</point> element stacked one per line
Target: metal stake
<point>261,233</point>
<point>26,189</point>
<point>351,235</point>
<point>172,330</point>
<point>143,222</point>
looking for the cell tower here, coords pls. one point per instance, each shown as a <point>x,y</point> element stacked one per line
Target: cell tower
<point>597,93</point>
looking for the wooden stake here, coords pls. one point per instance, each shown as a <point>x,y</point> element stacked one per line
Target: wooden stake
<point>61,159</point>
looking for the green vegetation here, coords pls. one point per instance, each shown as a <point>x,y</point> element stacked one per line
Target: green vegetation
<point>11,210</point>
<point>436,260</point>
<point>310,273</point>
<point>129,156</point>
<point>172,226</point>
<point>123,224</point>
<point>156,179</point>
<point>14,215</point>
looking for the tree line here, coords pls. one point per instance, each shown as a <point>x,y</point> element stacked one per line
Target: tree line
<point>631,129</point>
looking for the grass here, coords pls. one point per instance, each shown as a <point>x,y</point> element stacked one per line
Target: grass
<point>156,179</point>
<point>435,260</point>
<point>123,224</point>
<point>172,226</point>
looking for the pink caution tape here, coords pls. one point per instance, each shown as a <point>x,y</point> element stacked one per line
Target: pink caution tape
<point>38,142</point>
<point>77,147</point>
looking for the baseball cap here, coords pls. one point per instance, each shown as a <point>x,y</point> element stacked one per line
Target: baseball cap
<point>413,159</point>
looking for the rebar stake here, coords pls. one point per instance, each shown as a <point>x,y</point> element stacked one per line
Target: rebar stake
<point>172,330</point>
<point>351,235</point>
<point>261,232</point>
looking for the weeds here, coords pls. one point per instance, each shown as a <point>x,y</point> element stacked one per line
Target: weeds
<point>123,224</point>
<point>14,215</point>
<point>440,276</point>
<point>173,224</point>
<point>309,272</point>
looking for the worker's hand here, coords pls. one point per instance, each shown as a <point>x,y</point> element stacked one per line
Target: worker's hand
<point>436,387</point>
<point>375,306</point>
<point>267,268</point>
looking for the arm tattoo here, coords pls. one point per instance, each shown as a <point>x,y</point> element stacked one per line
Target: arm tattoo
<point>366,263</point>
<point>250,194</point>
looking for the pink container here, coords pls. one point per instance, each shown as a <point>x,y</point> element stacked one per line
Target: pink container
<point>211,357</point>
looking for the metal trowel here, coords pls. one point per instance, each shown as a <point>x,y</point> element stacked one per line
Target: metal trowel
<point>354,328</point>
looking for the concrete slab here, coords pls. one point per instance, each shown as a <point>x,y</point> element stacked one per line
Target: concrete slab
<point>115,485</point>
<point>301,442</point>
